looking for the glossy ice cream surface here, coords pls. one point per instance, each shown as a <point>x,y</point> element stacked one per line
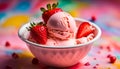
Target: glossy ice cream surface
<point>61,29</point>
<point>62,26</point>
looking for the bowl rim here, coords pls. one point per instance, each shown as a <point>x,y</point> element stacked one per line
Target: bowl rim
<point>61,47</point>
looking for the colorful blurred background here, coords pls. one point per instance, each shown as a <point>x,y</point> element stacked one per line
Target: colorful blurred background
<point>104,13</point>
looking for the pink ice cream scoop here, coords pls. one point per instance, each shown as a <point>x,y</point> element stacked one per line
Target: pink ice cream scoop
<point>62,26</point>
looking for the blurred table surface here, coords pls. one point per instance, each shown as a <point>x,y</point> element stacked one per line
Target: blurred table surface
<point>14,13</point>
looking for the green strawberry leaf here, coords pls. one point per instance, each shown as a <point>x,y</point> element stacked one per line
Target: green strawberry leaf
<point>48,6</point>
<point>42,9</point>
<point>31,24</point>
<point>54,6</point>
<point>41,23</point>
<point>34,23</point>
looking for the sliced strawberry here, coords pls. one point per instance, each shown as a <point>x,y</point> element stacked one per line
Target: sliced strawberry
<point>50,11</point>
<point>38,33</point>
<point>84,29</point>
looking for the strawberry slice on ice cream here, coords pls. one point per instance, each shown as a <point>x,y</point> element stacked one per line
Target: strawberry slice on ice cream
<point>84,30</point>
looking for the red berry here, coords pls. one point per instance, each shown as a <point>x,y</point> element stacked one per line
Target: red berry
<point>7,44</point>
<point>93,19</point>
<point>15,55</point>
<point>112,59</point>
<point>35,61</point>
<point>84,29</point>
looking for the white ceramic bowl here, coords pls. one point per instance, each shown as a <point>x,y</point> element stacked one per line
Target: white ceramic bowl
<point>59,56</point>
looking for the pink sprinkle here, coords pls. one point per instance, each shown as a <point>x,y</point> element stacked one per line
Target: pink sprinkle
<point>87,64</point>
<point>95,67</point>
<point>98,52</point>
<point>97,64</point>
<point>101,47</point>
<point>94,58</point>
<point>15,55</point>
<point>108,48</point>
<point>7,44</point>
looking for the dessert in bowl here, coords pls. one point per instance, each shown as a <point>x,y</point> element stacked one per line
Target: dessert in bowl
<point>60,40</point>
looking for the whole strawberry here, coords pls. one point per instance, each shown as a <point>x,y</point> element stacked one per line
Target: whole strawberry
<point>38,32</point>
<point>51,9</point>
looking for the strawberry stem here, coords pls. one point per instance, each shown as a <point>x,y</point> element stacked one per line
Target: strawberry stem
<point>41,23</point>
<point>54,5</point>
<point>30,27</point>
<point>48,6</point>
<point>31,24</point>
<point>34,23</point>
<point>57,4</point>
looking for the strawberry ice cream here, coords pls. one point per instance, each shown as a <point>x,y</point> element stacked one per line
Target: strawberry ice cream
<point>59,28</point>
<point>62,30</point>
<point>61,25</point>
